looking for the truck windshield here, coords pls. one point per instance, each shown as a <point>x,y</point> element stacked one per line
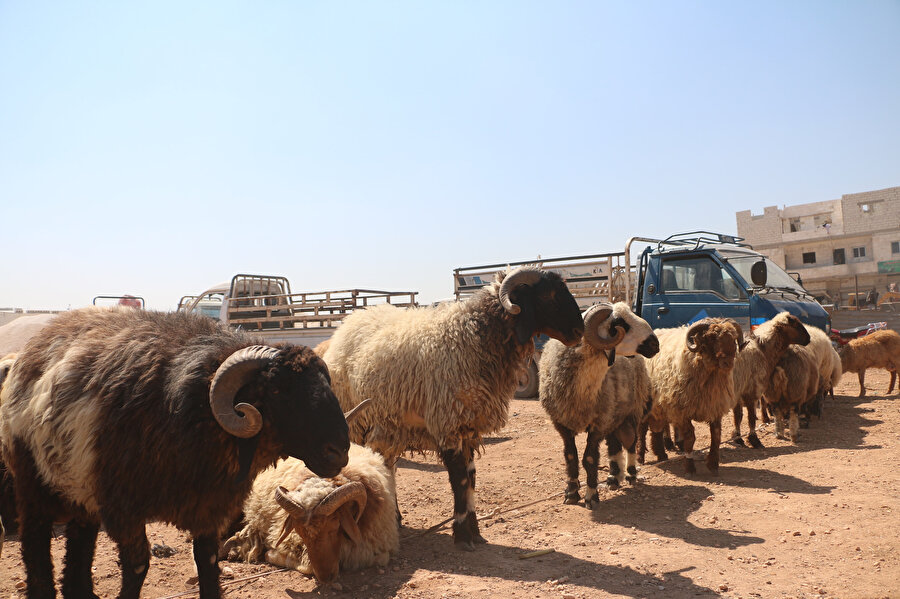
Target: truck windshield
<point>776,278</point>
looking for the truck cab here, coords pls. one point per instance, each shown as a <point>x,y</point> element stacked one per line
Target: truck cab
<point>690,276</point>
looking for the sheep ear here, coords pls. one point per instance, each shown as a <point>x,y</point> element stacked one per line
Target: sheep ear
<point>349,525</point>
<point>526,325</point>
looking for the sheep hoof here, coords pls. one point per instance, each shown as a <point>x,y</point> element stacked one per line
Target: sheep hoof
<point>662,457</point>
<point>612,482</point>
<point>689,466</point>
<point>667,443</point>
<point>754,441</point>
<point>780,436</point>
<point>572,498</point>
<point>465,545</point>
<point>631,479</point>
<point>591,503</point>
<point>739,441</point>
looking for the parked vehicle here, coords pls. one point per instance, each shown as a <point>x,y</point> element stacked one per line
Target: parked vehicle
<point>844,336</point>
<point>674,281</point>
<point>265,305</point>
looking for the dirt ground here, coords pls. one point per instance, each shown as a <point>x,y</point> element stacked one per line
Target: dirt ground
<point>816,519</point>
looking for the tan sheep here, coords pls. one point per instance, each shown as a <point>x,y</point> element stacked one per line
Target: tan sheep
<point>754,366</point>
<point>320,526</point>
<point>880,349</point>
<point>692,380</point>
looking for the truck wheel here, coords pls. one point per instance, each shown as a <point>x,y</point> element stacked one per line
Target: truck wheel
<point>528,382</point>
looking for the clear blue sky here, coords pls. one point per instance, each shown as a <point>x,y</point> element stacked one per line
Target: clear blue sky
<point>158,148</point>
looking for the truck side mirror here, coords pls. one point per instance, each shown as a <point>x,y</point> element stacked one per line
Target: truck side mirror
<point>759,273</point>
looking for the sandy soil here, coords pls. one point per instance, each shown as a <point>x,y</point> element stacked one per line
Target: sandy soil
<point>816,519</point>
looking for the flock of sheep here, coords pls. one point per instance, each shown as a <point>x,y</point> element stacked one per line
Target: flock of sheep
<point>253,455</point>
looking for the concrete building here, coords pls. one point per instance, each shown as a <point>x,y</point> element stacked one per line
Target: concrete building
<point>837,246</point>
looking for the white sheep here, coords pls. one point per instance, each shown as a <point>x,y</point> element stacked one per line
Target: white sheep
<point>295,519</point>
<point>691,380</point>
<point>442,377</point>
<point>592,388</point>
<point>755,364</point>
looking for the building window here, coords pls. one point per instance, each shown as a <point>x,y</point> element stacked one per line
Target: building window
<point>867,208</point>
<point>859,252</point>
<point>809,257</point>
<point>895,247</point>
<point>794,225</point>
<point>839,257</point>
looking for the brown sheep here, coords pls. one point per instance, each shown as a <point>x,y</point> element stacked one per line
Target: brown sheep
<point>794,383</point>
<point>880,349</point>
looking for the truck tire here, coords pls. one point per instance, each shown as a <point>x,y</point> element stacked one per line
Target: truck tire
<point>528,382</point>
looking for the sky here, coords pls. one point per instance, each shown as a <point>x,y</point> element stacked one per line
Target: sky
<point>159,148</point>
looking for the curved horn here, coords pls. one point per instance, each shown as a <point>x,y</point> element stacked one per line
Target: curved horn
<point>694,330</point>
<point>593,318</point>
<point>355,412</point>
<point>352,491</point>
<point>520,276</point>
<point>242,420</point>
<point>740,333</point>
<point>287,502</point>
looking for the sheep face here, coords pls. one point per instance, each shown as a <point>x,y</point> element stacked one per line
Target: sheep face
<point>326,526</point>
<point>716,341</point>
<point>639,337</point>
<point>547,307</point>
<point>297,392</point>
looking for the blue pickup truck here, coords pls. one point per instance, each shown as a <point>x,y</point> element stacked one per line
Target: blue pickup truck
<point>672,282</point>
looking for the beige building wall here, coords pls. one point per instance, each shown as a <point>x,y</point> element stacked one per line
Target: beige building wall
<point>835,245</point>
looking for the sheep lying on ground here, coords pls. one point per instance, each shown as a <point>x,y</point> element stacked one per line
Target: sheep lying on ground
<point>577,393</point>
<point>295,519</point>
<point>691,380</point>
<point>755,364</point>
<point>117,416</point>
<point>442,376</point>
<point>880,349</point>
<point>794,383</point>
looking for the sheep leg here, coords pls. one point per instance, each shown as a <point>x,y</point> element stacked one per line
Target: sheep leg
<point>206,558</point>
<point>687,430</point>
<point>656,439</point>
<point>643,427</point>
<point>715,440</point>
<point>471,518</point>
<point>627,433</point>
<point>893,380</point>
<point>752,437</point>
<point>616,461</point>
<point>764,412</point>
<point>862,382</point>
<point>134,556</point>
<point>794,425</point>
<point>779,425</point>
<point>81,540</point>
<point>591,463</point>
<point>37,511</point>
<point>457,470</point>
<point>737,416</point>
<point>570,454</point>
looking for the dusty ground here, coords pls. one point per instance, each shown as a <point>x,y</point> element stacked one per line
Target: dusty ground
<point>819,519</point>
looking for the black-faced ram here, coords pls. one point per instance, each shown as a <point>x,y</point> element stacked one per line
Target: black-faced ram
<point>442,377</point>
<point>118,417</point>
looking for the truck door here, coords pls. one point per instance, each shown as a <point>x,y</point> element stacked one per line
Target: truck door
<point>689,288</point>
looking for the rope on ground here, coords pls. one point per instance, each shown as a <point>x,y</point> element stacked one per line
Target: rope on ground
<point>196,591</point>
<point>493,514</point>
